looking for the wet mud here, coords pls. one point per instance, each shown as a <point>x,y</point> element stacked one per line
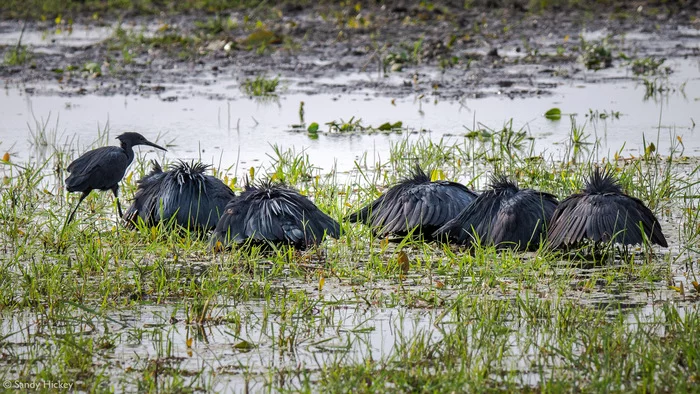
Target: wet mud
<point>399,50</point>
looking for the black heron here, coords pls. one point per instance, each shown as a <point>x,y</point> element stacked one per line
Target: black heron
<point>273,214</point>
<point>505,216</point>
<point>103,168</point>
<point>194,199</point>
<point>602,212</point>
<point>414,206</point>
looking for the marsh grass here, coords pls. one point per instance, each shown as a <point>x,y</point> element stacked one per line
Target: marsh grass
<point>596,55</point>
<point>157,310</point>
<point>261,86</point>
<point>17,56</point>
<point>649,66</point>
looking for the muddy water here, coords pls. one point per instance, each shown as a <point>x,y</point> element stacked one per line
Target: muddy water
<point>235,131</point>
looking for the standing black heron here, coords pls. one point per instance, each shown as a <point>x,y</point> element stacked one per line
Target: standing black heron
<point>602,212</point>
<point>273,214</point>
<point>194,199</point>
<point>414,206</point>
<point>103,168</point>
<point>505,216</point>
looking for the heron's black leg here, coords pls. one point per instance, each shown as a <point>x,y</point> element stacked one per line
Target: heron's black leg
<point>82,197</point>
<point>115,190</point>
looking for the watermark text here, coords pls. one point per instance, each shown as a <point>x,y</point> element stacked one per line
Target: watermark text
<point>36,385</point>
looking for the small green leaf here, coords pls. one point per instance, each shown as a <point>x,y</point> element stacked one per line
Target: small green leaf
<point>244,346</point>
<point>553,114</point>
<point>384,127</point>
<point>313,128</point>
<point>651,148</point>
<point>397,125</point>
<point>472,134</point>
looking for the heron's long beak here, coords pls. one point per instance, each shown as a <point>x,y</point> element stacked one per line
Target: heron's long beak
<point>149,143</point>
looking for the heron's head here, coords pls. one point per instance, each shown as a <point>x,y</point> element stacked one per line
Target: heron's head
<point>417,176</point>
<point>189,172</point>
<point>501,183</point>
<point>601,182</point>
<point>133,139</point>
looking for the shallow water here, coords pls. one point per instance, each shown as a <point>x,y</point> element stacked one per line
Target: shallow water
<point>236,130</point>
<point>345,332</point>
<point>348,332</point>
<point>56,39</point>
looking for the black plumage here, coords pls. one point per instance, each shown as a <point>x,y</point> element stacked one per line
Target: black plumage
<point>505,216</point>
<point>273,214</point>
<point>602,212</point>
<point>414,205</point>
<point>103,168</point>
<point>194,199</point>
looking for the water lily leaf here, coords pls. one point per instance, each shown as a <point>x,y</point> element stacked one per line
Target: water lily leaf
<point>553,114</point>
<point>313,128</point>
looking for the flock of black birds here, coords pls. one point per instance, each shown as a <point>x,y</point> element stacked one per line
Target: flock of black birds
<point>505,216</point>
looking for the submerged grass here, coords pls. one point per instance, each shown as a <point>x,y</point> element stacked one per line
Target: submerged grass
<point>156,310</point>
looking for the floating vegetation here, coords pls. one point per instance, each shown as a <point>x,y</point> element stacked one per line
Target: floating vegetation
<point>352,125</point>
<point>595,55</point>
<point>261,86</point>
<point>649,66</point>
<point>596,114</point>
<point>553,114</point>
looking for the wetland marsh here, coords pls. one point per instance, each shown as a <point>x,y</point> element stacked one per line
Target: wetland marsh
<point>156,310</point>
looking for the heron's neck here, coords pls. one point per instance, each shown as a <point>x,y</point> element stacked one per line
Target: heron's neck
<point>129,151</point>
